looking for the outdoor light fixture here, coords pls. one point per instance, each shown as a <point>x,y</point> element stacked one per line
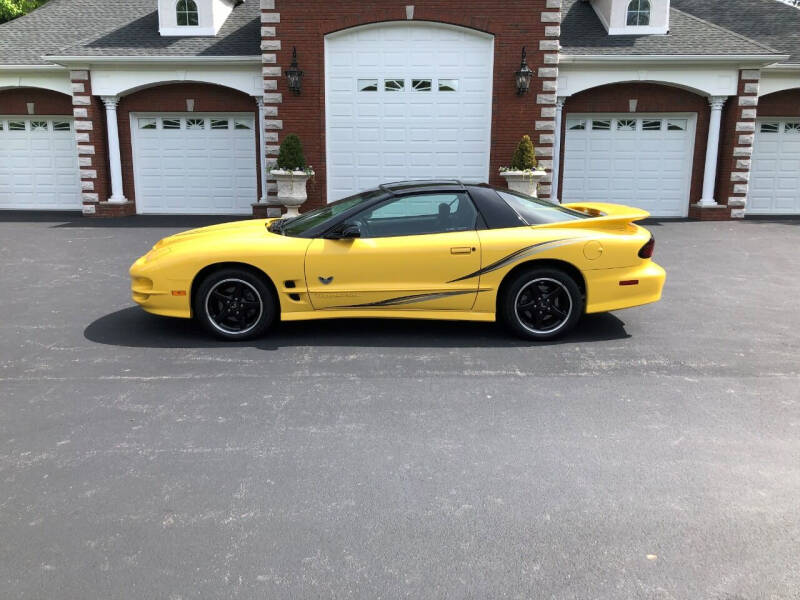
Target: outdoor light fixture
<point>294,75</point>
<point>523,76</point>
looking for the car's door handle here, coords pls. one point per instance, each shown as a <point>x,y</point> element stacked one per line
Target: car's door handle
<point>462,250</point>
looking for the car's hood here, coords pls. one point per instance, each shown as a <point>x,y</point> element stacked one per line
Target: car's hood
<point>213,233</point>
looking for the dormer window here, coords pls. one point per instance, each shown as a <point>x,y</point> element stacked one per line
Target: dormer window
<point>638,13</point>
<point>186,12</point>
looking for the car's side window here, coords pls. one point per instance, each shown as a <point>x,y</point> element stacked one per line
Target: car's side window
<point>418,214</point>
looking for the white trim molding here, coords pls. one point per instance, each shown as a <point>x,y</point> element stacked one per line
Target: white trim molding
<point>117,80</point>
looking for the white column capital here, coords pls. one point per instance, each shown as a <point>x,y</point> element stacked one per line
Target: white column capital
<point>110,102</point>
<point>259,101</point>
<point>560,102</point>
<point>717,102</point>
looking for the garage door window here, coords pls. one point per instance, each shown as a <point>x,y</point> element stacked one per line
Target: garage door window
<point>421,85</point>
<point>394,85</point>
<point>576,124</point>
<point>61,126</point>
<point>170,124</point>
<point>626,125</point>
<point>770,127</point>
<point>792,128</point>
<point>16,125</point>
<point>448,85</point>
<point>219,123</point>
<point>651,125</point>
<point>367,85</point>
<point>195,124</point>
<point>676,124</point>
<point>601,125</point>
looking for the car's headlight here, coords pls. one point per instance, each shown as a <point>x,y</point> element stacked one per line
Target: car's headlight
<point>156,253</point>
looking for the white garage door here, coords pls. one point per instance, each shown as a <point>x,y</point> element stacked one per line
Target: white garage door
<point>194,164</point>
<point>407,101</point>
<point>775,172</point>
<point>39,163</point>
<point>642,161</point>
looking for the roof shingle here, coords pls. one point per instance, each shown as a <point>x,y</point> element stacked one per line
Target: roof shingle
<point>119,28</point>
<point>582,33</point>
<point>772,23</point>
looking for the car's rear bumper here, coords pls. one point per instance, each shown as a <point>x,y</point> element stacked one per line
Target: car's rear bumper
<point>158,294</point>
<point>614,289</point>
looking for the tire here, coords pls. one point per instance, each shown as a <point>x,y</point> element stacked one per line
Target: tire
<point>541,304</point>
<point>234,304</point>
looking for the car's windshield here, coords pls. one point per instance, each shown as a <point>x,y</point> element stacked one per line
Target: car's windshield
<point>539,212</point>
<point>298,225</point>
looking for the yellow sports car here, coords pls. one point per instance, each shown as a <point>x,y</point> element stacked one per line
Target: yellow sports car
<point>419,250</point>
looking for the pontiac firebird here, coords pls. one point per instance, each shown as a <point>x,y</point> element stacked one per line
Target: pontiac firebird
<point>419,250</point>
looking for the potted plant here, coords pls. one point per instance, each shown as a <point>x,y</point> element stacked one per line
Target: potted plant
<point>522,175</point>
<point>291,173</point>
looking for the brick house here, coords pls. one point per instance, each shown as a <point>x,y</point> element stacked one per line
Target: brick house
<point>688,107</point>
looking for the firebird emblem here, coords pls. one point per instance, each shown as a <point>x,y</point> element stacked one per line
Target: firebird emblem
<point>326,280</point>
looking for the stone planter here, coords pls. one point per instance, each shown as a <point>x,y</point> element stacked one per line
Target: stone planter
<point>291,189</point>
<point>523,182</point>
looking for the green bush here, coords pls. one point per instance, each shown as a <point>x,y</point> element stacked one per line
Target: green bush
<point>524,158</point>
<point>290,155</point>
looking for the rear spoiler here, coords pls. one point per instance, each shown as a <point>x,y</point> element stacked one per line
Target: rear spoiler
<point>603,215</point>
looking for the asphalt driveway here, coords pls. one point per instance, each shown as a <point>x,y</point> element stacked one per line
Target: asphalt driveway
<point>655,453</point>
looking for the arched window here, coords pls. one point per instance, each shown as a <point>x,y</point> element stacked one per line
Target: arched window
<point>639,12</point>
<point>187,12</point>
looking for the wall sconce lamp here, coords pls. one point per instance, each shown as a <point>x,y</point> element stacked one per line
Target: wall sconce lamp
<point>523,76</point>
<point>294,75</point>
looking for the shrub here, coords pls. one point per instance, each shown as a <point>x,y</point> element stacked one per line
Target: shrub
<point>290,155</point>
<point>524,158</point>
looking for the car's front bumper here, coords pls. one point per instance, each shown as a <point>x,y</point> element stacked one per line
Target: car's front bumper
<point>614,289</point>
<point>158,293</point>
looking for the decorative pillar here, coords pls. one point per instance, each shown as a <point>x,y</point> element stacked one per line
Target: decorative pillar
<point>735,187</point>
<point>262,150</point>
<point>270,125</point>
<point>557,149</point>
<point>114,158</point>
<point>712,151</point>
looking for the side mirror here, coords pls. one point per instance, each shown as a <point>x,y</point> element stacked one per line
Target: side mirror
<point>348,231</point>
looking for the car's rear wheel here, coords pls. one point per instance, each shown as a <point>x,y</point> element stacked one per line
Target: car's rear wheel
<point>542,304</point>
<point>234,304</point>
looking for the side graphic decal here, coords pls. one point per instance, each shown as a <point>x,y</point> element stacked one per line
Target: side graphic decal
<point>518,255</point>
<point>410,299</point>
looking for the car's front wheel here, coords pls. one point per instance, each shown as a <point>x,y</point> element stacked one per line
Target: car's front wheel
<point>542,304</point>
<point>234,304</point>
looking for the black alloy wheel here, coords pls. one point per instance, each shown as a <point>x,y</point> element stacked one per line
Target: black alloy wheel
<point>542,304</point>
<point>234,305</point>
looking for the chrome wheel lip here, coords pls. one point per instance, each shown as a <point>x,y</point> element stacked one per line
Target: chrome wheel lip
<point>223,329</point>
<point>542,331</point>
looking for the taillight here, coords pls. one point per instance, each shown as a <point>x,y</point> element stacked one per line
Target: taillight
<point>646,251</point>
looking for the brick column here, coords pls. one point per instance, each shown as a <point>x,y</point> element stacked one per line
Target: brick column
<point>89,140</point>
<point>546,94</point>
<point>271,125</point>
<point>734,187</point>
